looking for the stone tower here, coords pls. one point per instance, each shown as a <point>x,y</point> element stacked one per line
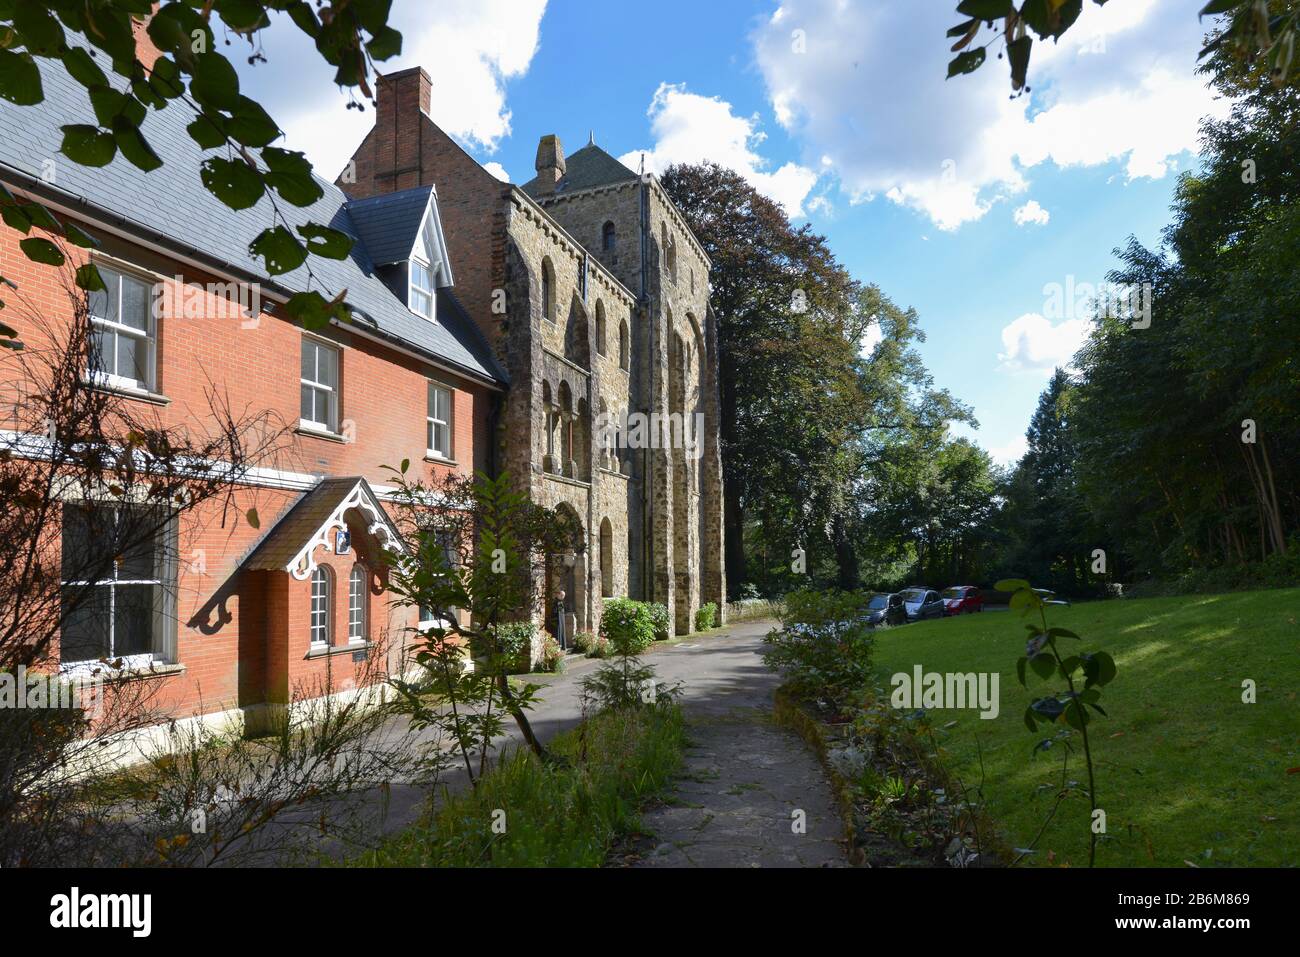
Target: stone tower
<point>594,294</point>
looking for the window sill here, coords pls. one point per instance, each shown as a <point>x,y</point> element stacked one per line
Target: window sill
<point>315,432</point>
<point>126,392</point>
<point>435,459</point>
<point>97,671</point>
<point>330,651</point>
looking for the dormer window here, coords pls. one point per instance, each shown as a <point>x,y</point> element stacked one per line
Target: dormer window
<point>420,300</point>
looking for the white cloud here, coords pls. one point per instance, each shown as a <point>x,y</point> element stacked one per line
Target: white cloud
<point>870,94</point>
<point>1033,213</point>
<point>471,49</point>
<point>497,170</point>
<point>1032,344</point>
<point>875,336</point>
<point>1010,453</point>
<point>690,128</point>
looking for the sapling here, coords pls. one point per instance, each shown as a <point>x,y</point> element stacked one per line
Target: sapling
<point>1042,656</point>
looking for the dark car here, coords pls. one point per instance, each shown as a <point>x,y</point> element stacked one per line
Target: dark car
<point>885,609</point>
<point>922,603</point>
<point>962,600</point>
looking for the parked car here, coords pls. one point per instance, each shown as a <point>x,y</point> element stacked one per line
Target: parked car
<point>885,609</point>
<point>962,600</point>
<point>922,603</point>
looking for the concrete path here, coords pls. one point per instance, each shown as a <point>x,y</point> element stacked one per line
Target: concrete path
<point>751,794</point>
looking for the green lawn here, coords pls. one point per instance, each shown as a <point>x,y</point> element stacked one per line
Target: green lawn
<point>1186,771</point>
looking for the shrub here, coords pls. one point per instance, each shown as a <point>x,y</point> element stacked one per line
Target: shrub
<point>663,625</point>
<point>808,607</point>
<point>599,648</point>
<point>823,648</point>
<point>583,642</point>
<point>706,616</point>
<point>516,639</point>
<point>627,625</point>
<point>552,656</point>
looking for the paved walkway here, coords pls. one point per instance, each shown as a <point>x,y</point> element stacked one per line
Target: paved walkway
<point>751,793</point>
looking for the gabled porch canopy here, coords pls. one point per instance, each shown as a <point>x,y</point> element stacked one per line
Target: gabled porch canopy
<point>315,522</point>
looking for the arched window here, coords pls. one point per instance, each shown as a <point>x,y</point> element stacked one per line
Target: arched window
<point>548,415</point>
<point>548,290</point>
<point>322,582</point>
<point>606,559</point>
<point>357,604</point>
<point>608,238</point>
<point>600,327</point>
<point>622,345</point>
<point>566,431</point>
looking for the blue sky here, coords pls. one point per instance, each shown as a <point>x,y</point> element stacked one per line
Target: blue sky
<point>950,196</point>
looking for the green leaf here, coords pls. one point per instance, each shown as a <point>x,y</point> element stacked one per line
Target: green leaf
<point>208,130</point>
<point>1219,6</point>
<point>1044,664</point>
<point>88,278</point>
<point>1099,669</point>
<point>290,176</point>
<point>1011,585</point>
<point>42,217</point>
<point>327,242</point>
<point>243,16</point>
<point>1018,51</point>
<point>88,145</point>
<point>968,61</point>
<point>279,250</point>
<point>42,251</point>
<point>20,79</point>
<point>214,82</point>
<point>1020,672</point>
<point>985,9</point>
<point>232,181</point>
<point>40,31</point>
<point>81,66</point>
<point>78,237</point>
<point>1076,715</point>
<point>385,44</point>
<point>1062,633</point>
<point>253,519</point>
<point>314,311</point>
<point>1047,708</point>
<point>166,79</point>
<point>134,146</point>
<point>251,125</point>
<point>16,218</point>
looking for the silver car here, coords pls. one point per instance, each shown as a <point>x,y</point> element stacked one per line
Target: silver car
<point>922,603</point>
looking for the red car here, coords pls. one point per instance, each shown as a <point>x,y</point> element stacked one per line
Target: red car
<point>962,599</point>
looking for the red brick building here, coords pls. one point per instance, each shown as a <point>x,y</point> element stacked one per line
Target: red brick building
<point>228,618</point>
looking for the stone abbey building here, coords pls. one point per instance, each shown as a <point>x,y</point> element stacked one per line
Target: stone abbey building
<point>594,296</point>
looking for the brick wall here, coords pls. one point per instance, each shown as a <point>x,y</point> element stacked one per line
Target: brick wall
<point>231,637</point>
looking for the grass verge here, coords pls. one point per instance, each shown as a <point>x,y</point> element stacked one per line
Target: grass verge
<point>565,815</point>
<point>1187,773</point>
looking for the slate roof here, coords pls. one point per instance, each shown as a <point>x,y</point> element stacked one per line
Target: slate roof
<point>282,544</point>
<point>388,224</point>
<point>170,207</point>
<point>589,167</point>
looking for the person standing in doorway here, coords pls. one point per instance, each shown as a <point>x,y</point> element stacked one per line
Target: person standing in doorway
<point>560,610</point>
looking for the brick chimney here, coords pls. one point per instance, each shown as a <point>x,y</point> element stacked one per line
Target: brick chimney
<point>550,162</point>
<point>145,51</point>
<point>397,147</point>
